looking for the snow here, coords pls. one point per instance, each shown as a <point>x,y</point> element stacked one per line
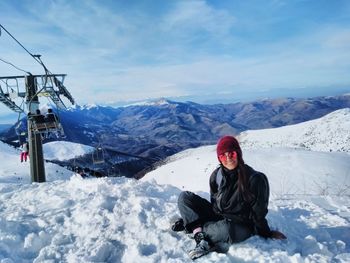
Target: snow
<point>329,133</point>
<point>62,150</point>
<point>90,106</point>
<point>13,171</point>
<point>83,107</point>
<point>155,102</point>
<point>326,173</point>
<point>70,219</point>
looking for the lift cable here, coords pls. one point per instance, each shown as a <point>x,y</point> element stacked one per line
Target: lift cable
<point>18,68</point>
<point>34,56</point>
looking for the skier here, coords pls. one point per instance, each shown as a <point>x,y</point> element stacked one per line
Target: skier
<point>239,199</point>
<point>24,152</point>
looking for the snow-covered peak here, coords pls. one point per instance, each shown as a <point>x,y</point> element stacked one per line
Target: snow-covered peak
<point>73,107</point>
<point>162,102</point>
<point>153,102</point>
<point>90,106</point>
<point>328,133</point>
<point>83,107</point>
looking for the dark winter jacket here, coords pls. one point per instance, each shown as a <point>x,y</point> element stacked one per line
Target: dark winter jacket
<point>228,202</point>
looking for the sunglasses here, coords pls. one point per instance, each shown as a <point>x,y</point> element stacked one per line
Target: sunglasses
<point>223,157</point>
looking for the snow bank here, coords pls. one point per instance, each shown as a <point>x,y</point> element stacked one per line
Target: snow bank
<point>124,220</point>
<point>94,220</point>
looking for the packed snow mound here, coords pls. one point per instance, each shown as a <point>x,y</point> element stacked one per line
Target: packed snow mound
<point>13,171</point>
<point>330,133</point>
<point>124,220</point>
<point>62,150</point>
<point>290,171</point>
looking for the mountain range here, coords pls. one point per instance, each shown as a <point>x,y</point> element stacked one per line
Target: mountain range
<point>152,131</point>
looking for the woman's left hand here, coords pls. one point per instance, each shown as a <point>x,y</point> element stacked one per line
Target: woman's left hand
<point>277,235</point>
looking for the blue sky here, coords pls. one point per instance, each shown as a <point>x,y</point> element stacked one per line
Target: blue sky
<point>205,51</point>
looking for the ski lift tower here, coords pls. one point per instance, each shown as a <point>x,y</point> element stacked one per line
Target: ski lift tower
<point>48,85</point>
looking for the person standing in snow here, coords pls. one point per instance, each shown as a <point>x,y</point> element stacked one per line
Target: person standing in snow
<point>24,152</point>
<point>239,200</point>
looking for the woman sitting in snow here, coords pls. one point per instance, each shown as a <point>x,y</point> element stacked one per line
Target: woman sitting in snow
<point>238,208</point>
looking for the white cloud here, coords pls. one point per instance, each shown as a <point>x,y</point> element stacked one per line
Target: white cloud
<point>189,16</point>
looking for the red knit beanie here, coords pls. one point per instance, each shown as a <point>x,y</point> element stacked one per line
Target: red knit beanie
<point>228,144</point>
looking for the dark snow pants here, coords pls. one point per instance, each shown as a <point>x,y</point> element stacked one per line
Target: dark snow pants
<point>198,212</point>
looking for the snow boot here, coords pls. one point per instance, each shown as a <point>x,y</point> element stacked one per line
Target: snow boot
<point>202,246</point>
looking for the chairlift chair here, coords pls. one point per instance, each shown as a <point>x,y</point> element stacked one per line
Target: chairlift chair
<point>46,124</point>
<point>98,155</point>
<point>52,122</point>
<point>38,123</point>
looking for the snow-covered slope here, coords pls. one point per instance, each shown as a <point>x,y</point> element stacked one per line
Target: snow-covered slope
<point>62,150</point>
<point>329,133</point>
<point>290,171</point>
<point>13,171</point>
<point>124,220</point>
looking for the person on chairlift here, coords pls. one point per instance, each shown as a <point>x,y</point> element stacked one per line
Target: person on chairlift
<point>38,118</point>
<point>50,116</point>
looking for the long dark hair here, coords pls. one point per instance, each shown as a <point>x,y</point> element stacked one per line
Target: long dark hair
<point>243,184</point>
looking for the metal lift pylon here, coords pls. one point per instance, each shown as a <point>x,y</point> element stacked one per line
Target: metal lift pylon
<point>36,156</point>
